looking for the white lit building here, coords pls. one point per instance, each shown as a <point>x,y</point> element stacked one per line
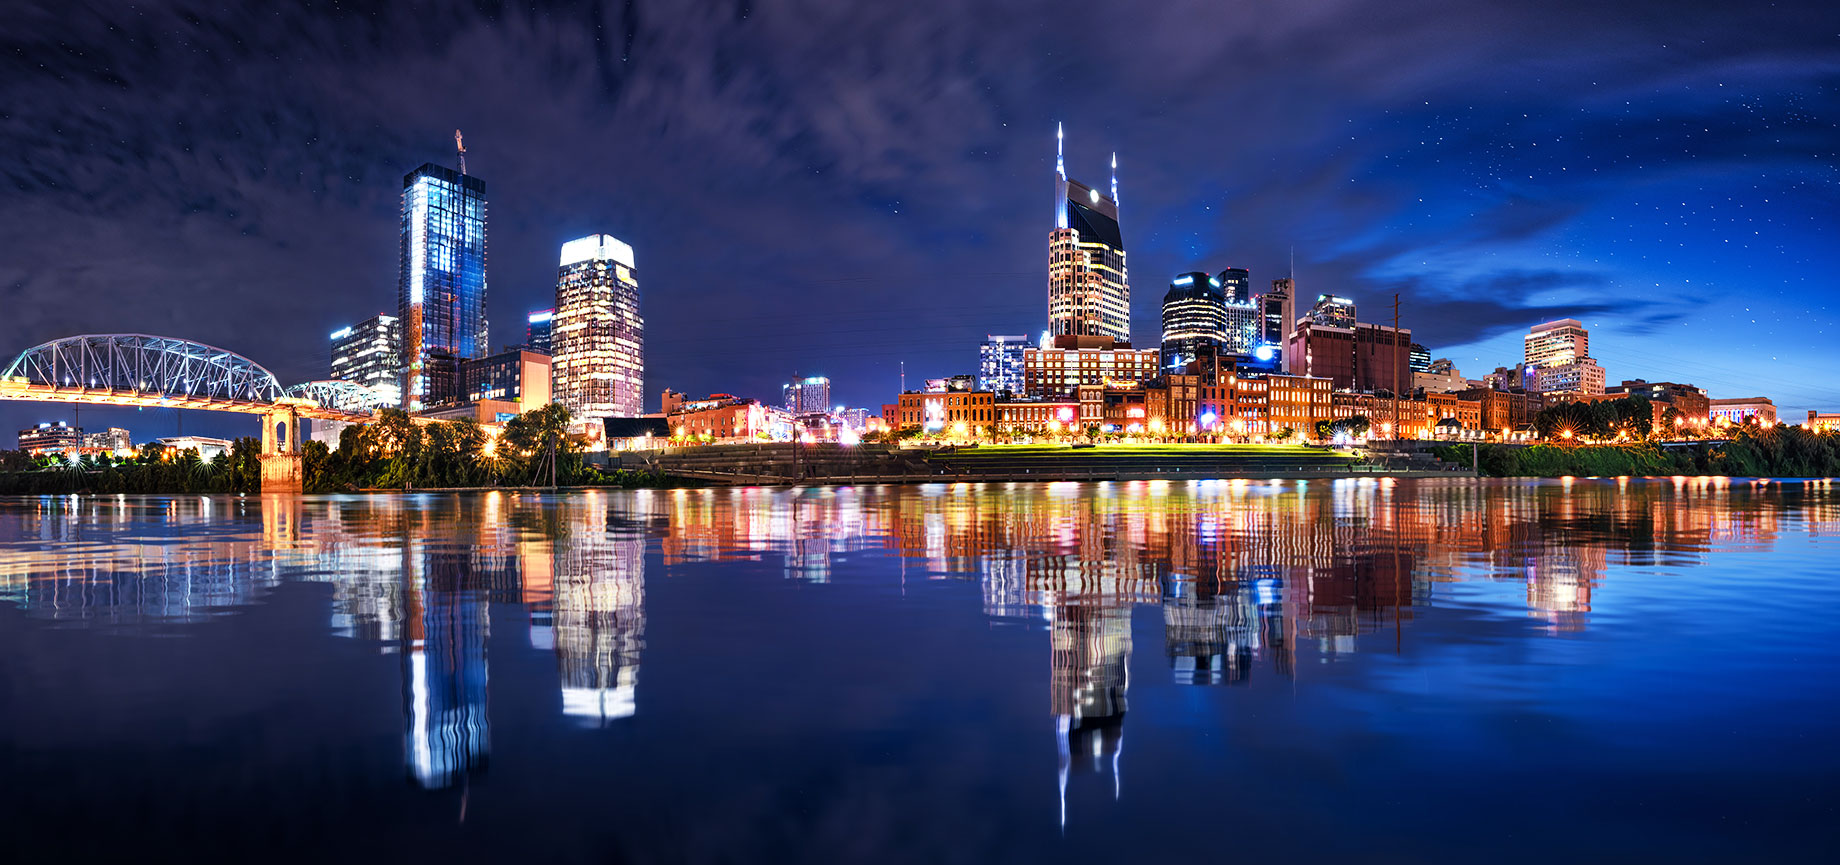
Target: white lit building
<point>809,395</point>
<point>597,336</point>
<point>1000,363</point>
<point>370,353</point>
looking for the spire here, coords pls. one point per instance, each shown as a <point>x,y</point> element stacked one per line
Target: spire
<point>1114,179</point>
<point>1060,166</point>
<point>460,145</point>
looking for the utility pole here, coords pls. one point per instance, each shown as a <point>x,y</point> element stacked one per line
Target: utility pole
<point>1398,432</point>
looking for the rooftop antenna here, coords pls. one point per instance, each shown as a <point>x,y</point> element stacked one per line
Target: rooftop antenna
<point>1114,179</point>
<point>460,145</point>
<point>1292,275</point>
<point>1060,165</point>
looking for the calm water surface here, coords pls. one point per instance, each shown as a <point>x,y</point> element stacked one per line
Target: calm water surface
<point>1343,671</point>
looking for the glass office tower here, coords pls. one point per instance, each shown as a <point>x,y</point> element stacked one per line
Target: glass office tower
<point>442,291</point>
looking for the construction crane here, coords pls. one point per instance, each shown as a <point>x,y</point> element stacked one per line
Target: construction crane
<point>460,145</point>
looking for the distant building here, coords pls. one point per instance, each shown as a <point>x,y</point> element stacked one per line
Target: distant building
<point>597,341</point>
<point>1059,372</point>
<point>1278,316</point>
<point>807,395</point>
<point>1365,357</point>
<point>207,448</point>
<point>1823,422</point>
<point>113,440</point>
<point>1439,376</point>
<point>856,419</point>
<point>636,433</point>
<point>537,330</point>
<point>1556,342</point>
<point>1000,363</point>
<point>1236,284</point>
<point>441,295</point>
<point>944,412</point>
<point>1089,292</point>
<point>725,418</point>
<point>1582,376</point>
<point>961,382</point>
<point>1758,408</point>
<point>1332,311</point>
<point>519,376</point>
<point>1194,318</point>
<point>1421,359</point>
<point>55,437</point>
<point>1688,401</point>
<point>370,353</point>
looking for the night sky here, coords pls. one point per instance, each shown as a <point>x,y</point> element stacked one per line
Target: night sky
<point>829,188</point>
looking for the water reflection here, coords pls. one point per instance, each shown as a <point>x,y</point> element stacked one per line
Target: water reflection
<point>1250,578</point>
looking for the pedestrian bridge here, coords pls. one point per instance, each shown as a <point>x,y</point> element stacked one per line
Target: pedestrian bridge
<point>142,371</point>
<point>135,369</point>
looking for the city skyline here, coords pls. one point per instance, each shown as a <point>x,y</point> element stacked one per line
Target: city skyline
<point>1627,189</point>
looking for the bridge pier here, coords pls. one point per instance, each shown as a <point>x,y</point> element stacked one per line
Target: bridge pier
<point>281,462</point>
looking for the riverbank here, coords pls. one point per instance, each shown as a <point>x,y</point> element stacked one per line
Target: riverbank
<point>1782,451</point>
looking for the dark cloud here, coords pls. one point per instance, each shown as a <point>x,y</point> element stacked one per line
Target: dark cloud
<point>837,187</point>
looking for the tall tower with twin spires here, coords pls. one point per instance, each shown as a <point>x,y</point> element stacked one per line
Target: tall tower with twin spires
<point>1089,292</point>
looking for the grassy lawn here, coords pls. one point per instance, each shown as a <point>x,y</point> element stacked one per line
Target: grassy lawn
<point>1134,450</point>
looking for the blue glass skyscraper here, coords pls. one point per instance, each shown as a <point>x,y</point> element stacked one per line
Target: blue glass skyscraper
<point>442,292</point>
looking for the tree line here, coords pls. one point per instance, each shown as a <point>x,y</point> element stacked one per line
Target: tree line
<point>1779,451</point>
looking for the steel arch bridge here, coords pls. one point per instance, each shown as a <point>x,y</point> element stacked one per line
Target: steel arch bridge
<point>338,395</point>
<point>135,369</point>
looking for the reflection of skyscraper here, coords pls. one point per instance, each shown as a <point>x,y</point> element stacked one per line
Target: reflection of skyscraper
<point>599,624</point>
<point>1209,637</point>
<point>444,668</point>
<point>1088,679</point>
<point>442,295</point>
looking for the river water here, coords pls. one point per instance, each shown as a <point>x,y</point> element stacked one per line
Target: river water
<point>1348,670</point>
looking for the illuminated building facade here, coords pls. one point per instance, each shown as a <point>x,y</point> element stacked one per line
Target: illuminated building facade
<point>809,395</point>
<point>441,297</point>
<point>51,438</point>
<point>725,418</point>
<point>937,412</point>
<point>1089,291</point>
<point>1194,318</point>
<point>370,353</point>
<point>1000,363</point>
<point>1236,283</point>
<point>1688,401</point>
<point>1822,422</point>
<point>1583,377</point>
<point>1059,372</point>
<point>1332,311</point>
<point>1556,342</point>
<point>516,376</point>
<point>597,337</point>
<point>537,330</point>
<point>116,440</point>
<point>1758,408</point>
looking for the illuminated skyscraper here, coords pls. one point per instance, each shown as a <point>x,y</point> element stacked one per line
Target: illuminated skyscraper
<point>370,353</point>
<point>807,395</point>
<point>597,336</point>
<point>1558,357</point>
<point>441,295</point>
<point>1089,292</point>
<point>1000,363</point>
<point>1194,318</point>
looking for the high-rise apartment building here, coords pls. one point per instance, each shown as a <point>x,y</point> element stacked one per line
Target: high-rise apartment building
<point>1365,357</point>
<point>1236,284</point>
<point>1557,342</point>
<point>1194,318</point>
<point>537,330</point>
<point>1089,291</point>
<point>809,395</point>
<point>1000,363</point>
<point>116,440</point>
<point>441,295</point>
<point>597,337</point>
<point>370,353</point>
<point>1558,358</point>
